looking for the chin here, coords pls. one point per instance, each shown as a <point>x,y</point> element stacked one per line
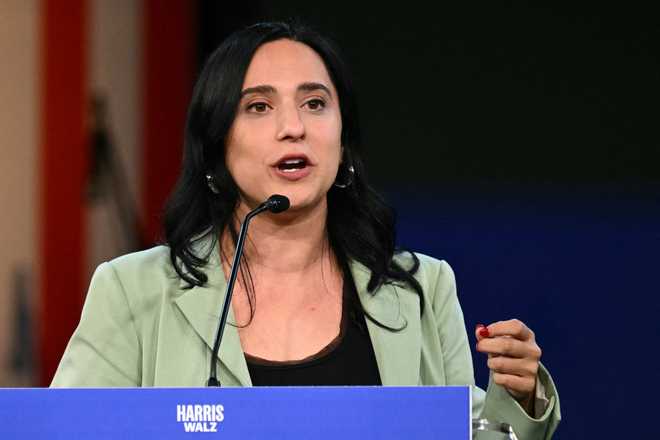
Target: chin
<point>302,202</point>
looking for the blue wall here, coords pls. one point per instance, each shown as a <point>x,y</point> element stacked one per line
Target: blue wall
<point>578,265</point>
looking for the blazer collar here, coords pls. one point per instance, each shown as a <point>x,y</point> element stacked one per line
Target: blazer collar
<point>397,353</point>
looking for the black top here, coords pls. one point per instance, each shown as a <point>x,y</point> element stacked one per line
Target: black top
<point>347,360</point>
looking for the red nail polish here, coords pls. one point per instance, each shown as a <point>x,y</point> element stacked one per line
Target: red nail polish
<point>483,332</point>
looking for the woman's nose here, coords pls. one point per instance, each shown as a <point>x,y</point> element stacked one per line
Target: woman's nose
<point>290,125</point>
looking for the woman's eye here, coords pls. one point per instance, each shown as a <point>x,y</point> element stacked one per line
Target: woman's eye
<point>315,104</point>
<point>257,107</point>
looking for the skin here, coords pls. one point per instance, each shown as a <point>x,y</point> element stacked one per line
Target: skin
<point>297,281</point>
<point>289,119</point>
<point>513,358</point>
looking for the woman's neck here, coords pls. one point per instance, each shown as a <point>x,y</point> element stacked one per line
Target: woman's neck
<point>289,242</point>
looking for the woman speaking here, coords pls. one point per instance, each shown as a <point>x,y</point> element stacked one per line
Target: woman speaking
<point>323,295</point>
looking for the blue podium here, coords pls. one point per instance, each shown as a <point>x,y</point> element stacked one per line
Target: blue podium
<point>245,413</point>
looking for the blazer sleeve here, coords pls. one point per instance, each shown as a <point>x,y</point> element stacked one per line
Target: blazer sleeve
<point>104,350</point>
<point>496,404</point>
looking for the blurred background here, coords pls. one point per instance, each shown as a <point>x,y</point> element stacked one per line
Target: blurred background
<point>519,143</point>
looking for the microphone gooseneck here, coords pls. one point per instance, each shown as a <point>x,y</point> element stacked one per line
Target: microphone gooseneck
<point>275,204</point>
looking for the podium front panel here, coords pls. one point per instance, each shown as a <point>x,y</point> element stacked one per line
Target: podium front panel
<point>246,413</point>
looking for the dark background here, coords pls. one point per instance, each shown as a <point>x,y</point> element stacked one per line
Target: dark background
<point>521,145</point>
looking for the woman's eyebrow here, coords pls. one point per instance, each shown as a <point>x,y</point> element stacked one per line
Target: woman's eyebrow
<point>265,89</point>
<point>312,86</point>
<point>261,89</point>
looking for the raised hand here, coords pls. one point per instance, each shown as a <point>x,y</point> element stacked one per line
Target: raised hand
<point>513,357</point>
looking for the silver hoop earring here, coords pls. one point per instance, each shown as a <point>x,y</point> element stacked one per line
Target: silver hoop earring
<point>350,173</point>
<point>210,182</point>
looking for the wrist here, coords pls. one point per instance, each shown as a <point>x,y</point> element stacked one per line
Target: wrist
<point>526,401</point>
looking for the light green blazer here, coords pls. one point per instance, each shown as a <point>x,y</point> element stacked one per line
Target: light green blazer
<point>140,328</point>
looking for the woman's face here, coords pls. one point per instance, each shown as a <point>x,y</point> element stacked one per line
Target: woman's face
<point>286,137</point>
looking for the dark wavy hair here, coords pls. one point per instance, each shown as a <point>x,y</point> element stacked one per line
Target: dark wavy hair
<point>360,226</point>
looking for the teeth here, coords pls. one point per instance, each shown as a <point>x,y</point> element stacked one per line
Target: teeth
<point>292,165</point>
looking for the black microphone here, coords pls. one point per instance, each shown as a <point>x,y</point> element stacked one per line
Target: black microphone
<point>275,204</point>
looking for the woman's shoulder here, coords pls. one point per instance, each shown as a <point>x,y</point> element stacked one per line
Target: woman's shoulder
<point>428,268</point>
<point>149,263</point>
<point>434,275</point>
<point>138,274</point>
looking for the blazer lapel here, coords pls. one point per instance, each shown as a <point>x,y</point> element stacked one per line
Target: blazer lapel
<point>398,353</point>
<point>201,307</point>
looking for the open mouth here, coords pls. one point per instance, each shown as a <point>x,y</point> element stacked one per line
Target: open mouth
<point>291,165</point>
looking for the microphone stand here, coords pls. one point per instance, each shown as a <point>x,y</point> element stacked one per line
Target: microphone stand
<point>275,203</point>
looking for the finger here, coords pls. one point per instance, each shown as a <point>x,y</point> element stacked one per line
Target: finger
<point>518,386</point>
<point>517,367</point>
<point>508,346</point>
<point>513,327</point>
<point>481,332</point>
